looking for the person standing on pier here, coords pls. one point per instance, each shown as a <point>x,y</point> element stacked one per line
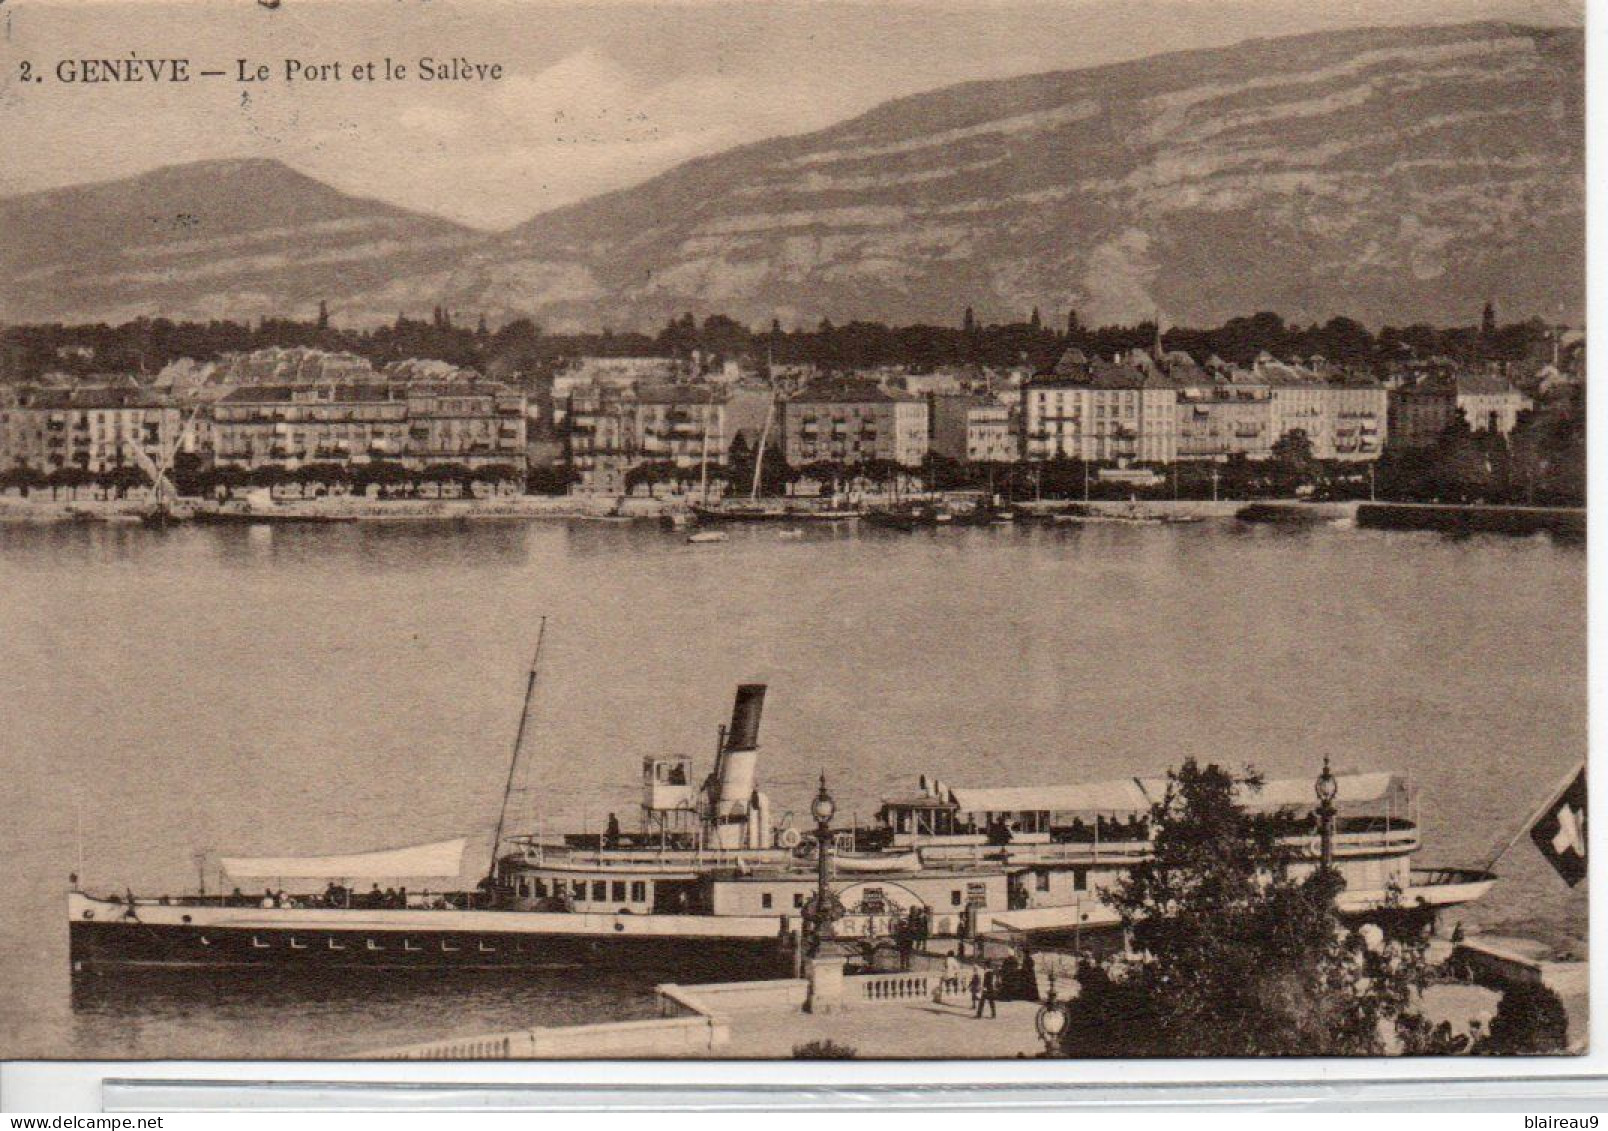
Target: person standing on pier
<point>949,977</point>
<point>989,993</point>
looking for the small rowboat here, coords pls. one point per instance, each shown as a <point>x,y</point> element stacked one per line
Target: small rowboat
<point>862,862</point>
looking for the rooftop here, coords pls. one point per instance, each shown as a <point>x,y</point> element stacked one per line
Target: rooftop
<point>337,393</point>
<point>680,394</point>
<point>847,390</point>
<point>92,397</point>
<point>356,392</point>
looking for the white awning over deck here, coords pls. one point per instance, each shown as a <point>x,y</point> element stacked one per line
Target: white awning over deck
<point>1137,795</point>
<point>441,860</point>
<point>1095,797</point>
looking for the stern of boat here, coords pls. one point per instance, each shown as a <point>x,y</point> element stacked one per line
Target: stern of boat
<point>1447,887</point>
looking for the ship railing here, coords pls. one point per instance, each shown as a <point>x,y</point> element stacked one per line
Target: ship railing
<point>418,899</point>
<point>1090,852</point>
<point>626,858</point>
<point>978,854</point>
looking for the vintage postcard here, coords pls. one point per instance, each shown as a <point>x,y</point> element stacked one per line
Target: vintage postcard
<point>806,530</point>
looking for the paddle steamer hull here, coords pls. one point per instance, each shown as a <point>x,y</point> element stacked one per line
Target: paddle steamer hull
<point>177,936</point>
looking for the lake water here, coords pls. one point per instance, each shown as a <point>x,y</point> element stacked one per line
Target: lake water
<point>313,689</point>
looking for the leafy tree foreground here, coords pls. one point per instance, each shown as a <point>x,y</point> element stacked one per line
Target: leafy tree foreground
<point>1232,956</point>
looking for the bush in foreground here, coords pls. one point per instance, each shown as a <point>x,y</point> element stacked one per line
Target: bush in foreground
<point>824,1050</point>
<point>1530,1021</point>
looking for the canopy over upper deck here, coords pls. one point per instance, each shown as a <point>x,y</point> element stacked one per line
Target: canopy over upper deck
<point>1138,795</point>
<point>439,860</point>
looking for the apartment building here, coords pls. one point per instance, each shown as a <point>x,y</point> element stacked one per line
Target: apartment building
<point>972,429</point>
<point>96,428</point>
<point>1097,410</point>
<point>681,424</point>
<point>852,421</point>
<point>1421,410</point>
<point>475,423</point>
<point>1220,420</point>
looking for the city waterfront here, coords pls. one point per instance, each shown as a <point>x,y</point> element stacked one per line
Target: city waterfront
<point>336,688</point>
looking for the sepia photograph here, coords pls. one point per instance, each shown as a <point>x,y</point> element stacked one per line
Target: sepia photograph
<point>815,530</point>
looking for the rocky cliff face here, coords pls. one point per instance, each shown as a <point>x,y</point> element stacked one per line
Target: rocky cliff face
<point>1392,175</point>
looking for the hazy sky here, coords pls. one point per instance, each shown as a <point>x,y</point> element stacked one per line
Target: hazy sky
<point>595,96</point>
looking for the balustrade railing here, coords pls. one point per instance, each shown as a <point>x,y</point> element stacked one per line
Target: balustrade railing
<point>920,985</point>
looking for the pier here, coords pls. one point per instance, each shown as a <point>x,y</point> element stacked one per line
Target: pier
<point>891,1016</point>
<point>880,1016</point>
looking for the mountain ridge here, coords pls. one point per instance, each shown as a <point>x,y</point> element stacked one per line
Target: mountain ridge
<point>1382,173</point>
<point>214,238</point>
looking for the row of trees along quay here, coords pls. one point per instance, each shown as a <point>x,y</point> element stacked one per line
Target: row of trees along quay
<point>520,347</point>
<point>390,479</point>
<point>1231,957</point>
<point>1542,462</point>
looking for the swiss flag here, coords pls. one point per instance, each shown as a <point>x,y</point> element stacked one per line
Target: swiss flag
<point>1560,831</point>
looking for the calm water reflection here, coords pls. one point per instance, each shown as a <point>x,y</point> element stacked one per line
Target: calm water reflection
<point>332,688</point>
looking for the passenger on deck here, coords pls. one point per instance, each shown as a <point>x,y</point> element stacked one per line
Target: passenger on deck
<point>611,836</point>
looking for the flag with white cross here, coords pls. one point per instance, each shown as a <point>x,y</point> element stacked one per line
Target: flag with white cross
<point>1560,831</point>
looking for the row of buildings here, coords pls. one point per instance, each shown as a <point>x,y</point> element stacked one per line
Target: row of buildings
<point>100,428</point>
<point>1143,408</point>
<point>1147,407</point>
<point>1161,409</point>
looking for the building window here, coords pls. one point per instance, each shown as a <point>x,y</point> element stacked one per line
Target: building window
<point>955,897</point>
<point>578,889</point>
<point>600,891</point>
<point>639,891</point>
<point>765,901</point>
<point>1080,879</point>
<point>1043,879</point>
<point>619,891</point>
<point>798,899</point>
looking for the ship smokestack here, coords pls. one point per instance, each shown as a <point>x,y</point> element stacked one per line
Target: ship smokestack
<point>734,787</point>
<point>743,734</point>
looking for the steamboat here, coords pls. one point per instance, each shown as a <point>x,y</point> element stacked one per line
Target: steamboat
<point>709,878</point>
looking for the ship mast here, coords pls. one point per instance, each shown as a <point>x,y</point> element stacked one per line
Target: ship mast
<point>519,743</point>
<point>759,460</point>
<point>764,433</point>
<point>703,455</point>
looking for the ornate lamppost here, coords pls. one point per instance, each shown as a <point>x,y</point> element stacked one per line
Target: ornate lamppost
<point>822,809</point>
<point>1327,789</point>
<point>1051,1021</point>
